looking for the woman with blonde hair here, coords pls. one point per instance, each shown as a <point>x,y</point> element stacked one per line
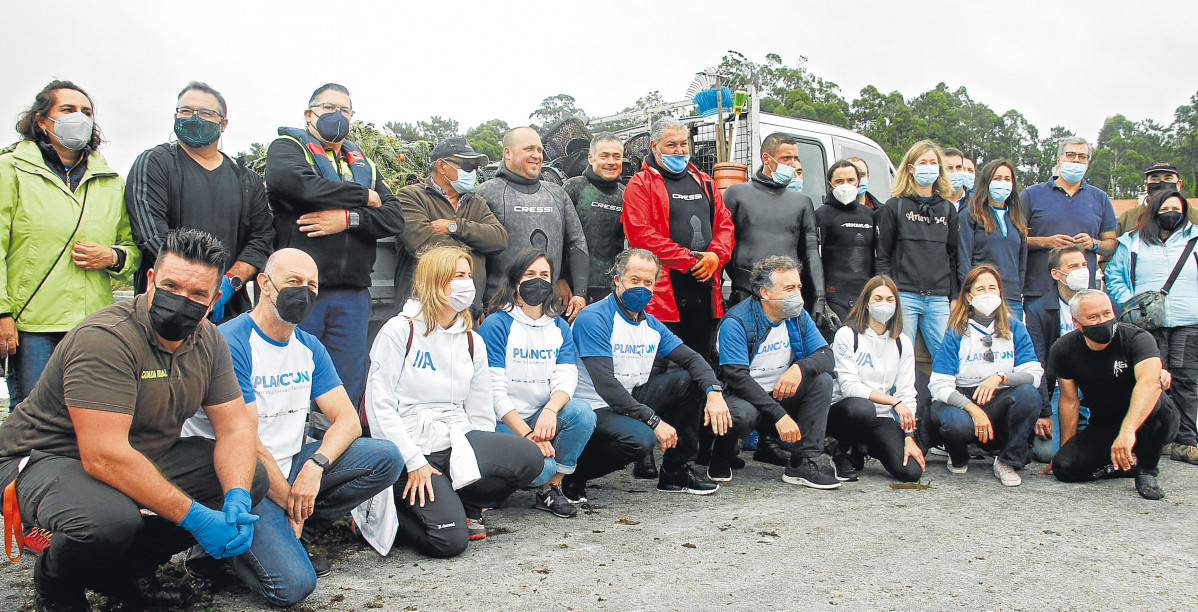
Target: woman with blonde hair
<point>429,392</point>
<point>984,381</point>
<point>917,242</point>
<point>873,403</point>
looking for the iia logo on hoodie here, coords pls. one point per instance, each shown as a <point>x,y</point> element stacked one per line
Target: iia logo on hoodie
<point>423,360</point>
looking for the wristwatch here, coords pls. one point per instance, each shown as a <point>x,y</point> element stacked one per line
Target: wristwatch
<point>320,460</point>
<point>354,219</point>
<point>235,281</point>
<point>452,227</point>
<point>718,388</point>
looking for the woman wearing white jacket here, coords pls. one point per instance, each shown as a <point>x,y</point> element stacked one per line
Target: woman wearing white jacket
<point>534,373</point>
<point>984,381</point>
<point>429,392</point>
<point>873,403</point>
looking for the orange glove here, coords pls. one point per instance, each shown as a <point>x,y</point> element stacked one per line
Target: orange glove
<point>706,266</point>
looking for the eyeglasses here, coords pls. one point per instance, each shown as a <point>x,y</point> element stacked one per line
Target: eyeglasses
<point>465,165</point>
<point>204,113</point>
<point>988,342</point>
<point>1075,156</point>
<point>329,107</point>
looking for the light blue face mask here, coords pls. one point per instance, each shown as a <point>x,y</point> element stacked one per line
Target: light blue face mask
<point>863,186</point>
<point>957,179</point>
<point>1000,190</point>
<point>1073,172</point>
<point>926,174</point>
<point>782,174</point>
<point>465,182</point>
<point>969,181</point>
<point>795,184</point>
<point>675,163</point>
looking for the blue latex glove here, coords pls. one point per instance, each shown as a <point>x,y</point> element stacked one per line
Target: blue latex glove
<point>237,507</point>
<point>217,537</point>
<point>226,292</point>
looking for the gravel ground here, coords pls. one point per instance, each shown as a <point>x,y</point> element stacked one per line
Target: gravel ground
<point>964,543</point>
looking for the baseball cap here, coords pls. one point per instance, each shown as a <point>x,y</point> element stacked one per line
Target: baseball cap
<point>1161,167</point>
<point>458,147</point>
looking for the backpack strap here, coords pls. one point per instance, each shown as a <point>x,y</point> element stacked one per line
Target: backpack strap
<point>411,332</point>
<point>470,344</point>
<point>1181,262</point>
<point>898,341</point>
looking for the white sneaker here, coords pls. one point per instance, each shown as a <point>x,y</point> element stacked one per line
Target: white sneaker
<point>1006,474</point>
<point>958,469</point>
<point>937,451</point>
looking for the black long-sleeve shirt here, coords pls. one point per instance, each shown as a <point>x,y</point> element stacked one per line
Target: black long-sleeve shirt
<point>619,399</point>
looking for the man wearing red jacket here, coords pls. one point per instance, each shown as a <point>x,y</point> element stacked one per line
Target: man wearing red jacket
<point>674,210</point>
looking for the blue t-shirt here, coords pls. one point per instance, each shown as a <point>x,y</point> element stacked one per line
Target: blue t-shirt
<point>281,377</point>
<point>602,330</point>
<point>1050,211</point>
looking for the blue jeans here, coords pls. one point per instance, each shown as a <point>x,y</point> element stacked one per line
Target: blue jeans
<point>341,320</point>
<point>1016,308</point>
<point>927,314</point>
<point>1044,450</point>
<point>575,422</point>
<point>276,565</point>
<point>1012,412</point>
<point>29,361</point>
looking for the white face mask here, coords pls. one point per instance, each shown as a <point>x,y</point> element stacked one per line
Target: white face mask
<point>1078,279</point>
<point>986,303</point>
<point>845,193</point>
<point>881,312</point>
<point>461,293</point>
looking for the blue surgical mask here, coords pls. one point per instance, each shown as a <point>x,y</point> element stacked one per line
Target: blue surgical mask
<point>781,174</point>
<point>969,180</point>
<point>927,174</point>
<point>332,126</point>
<point>1072,172</point>
<point>465,182</point>
<point>957,179</point>
<point>675,163</point>
<point>636,298</point>
<point>1000,190</point>
<point>863,186</point>
<point>795,184</point>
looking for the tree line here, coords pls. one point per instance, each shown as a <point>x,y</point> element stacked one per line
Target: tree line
<point>950,117</point>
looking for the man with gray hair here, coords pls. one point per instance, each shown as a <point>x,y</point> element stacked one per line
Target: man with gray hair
<point>1118,368</point>
<point>598,197</point>
<point>1064,211</point>
<point>535,213</point>
<point>776,363</point>
<point>617,343</point>
<point>674,210</point>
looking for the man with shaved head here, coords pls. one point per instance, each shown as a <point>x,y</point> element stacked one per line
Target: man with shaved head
<point>281,369</point>
<point>1118,368</point>
<point>536,213</point>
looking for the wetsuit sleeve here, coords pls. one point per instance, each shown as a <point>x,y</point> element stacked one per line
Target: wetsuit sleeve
<point>302,189</point>
<point>576,248</point>
<point>885,232</point>
<point>811,240</point>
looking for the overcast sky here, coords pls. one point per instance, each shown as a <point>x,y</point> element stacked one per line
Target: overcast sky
<point>1070,64</point>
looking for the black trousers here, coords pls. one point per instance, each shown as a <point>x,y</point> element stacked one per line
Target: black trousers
<point>1179,353</point>
<point>619,440</point>
<point>1089,450</point>
<point>808,407</point>
<point>506,462</point>
<point>99,538</point>
<point>855,419</point>
<point>696,325</point>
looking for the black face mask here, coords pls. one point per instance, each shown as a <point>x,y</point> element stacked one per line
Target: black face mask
<point>535,291</point>
<point>1100,333</point>
<point>1153,188</point>
<point>173,316</point>
<point>1169,220</point>
<point>195,132</point>
<point>294,304</point>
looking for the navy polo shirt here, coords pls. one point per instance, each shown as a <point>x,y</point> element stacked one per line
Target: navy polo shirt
<point>1051,211</point>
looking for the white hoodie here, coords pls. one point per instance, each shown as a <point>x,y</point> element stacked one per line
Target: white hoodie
<point>876,364</point>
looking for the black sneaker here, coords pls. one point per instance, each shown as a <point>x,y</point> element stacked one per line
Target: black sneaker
<point>1148,487</point>
<point>203,566</point>
<point>553,500</point>
<point>320,564</point>
<point>575,491</point>
<point>770,450</point>
<point>645,468</point>
<point>719,470</point>
<point>808,474</point>
<point>45,604</point>
<point>735,462</point>
<point>688,480</point>
<point>843,468</point>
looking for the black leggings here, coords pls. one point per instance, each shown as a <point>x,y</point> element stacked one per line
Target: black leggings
<point>1089,450</point>
<point>438,529</point>
<point>854,419</point>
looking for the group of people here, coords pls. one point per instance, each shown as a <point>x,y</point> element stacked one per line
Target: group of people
<point>550,335</point>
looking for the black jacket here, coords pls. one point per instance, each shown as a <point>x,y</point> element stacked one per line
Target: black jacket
<point>1043,318</point>
<point>847,235</point>
<point>918,245</point>
<point>345,259</point>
